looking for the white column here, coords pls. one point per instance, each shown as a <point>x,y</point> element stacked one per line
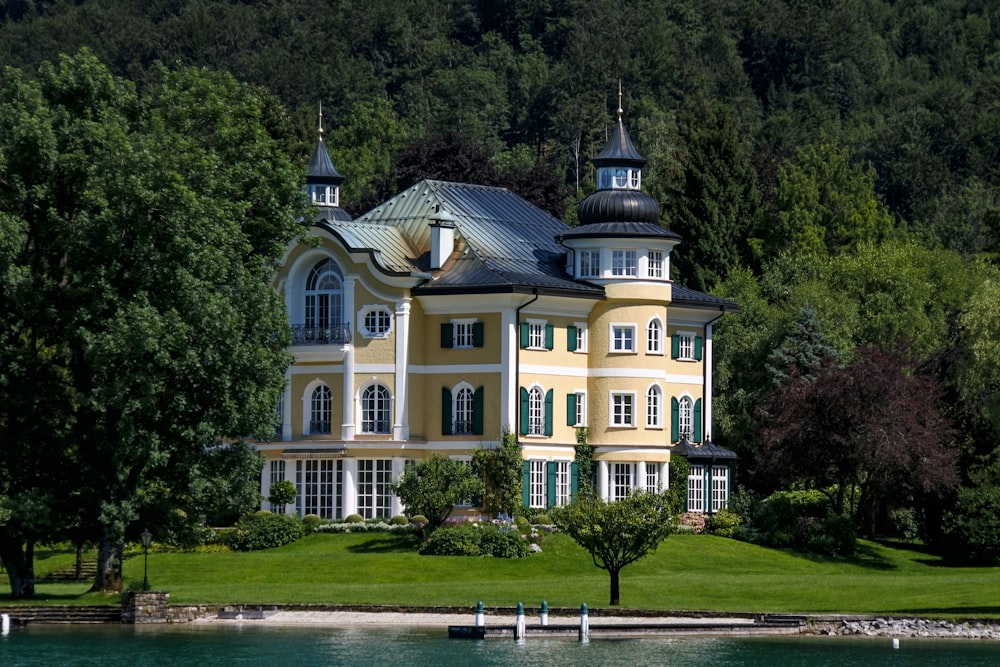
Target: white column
<point>707,414</point>
<point>265,476</point>
<point>286,409</point>
<point>401,427</point>
<point>602,479</point>
<point>350,498</point>
<point>508,370</point>
<point>398,467</point>
<point>347,390</point>
<point>640,475</point>
<point>664,475</point>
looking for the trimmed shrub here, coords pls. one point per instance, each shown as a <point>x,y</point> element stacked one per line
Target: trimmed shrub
<point>456,540</point>
<point>263,530</point>
<point>509,544</point>
<point>543,520</point>
<point>399,520</point>
<point>522,524</point>
<point>310,522</point>
<point>724,523</point>
<point>418,519</point>
<point>354,518</point>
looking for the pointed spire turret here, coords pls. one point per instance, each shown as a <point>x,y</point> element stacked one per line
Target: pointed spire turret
<point>323,180</point>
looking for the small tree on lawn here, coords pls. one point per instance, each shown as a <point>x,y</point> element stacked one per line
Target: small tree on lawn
<point>281,493</point>
<point>434,486</point>
<point>617,533</point>
<point>500,470</point>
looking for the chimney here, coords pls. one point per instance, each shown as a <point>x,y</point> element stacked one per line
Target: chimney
<point>442,238</point>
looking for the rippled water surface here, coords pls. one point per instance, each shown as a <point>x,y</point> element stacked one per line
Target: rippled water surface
<point>429,647</point>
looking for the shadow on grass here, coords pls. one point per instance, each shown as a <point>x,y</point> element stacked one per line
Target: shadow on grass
<point>955,612</point>
<point>865,556</point>
<point>383,545</point>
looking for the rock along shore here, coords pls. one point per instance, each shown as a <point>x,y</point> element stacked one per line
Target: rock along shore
<point>909,627</point>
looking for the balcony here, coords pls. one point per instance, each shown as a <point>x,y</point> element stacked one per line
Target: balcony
<point>331,334</point>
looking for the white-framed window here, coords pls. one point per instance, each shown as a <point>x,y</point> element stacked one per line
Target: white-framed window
<point>581,336</point>
<point>536,411</point>
<point>277,474</point>
<point>654,336</point>
<point>654,407</point>
<point>324,301</point>
<point>536,490</point>
<point>463,410</point>
<point>536,335</point>
<point>376,321</point>
<point>321,410</point>
<point>463,332</point>
<point>720,488</point>
<point>622,409</point>
<point>623,338</point>
<point>685,417</point>
<point>564,481</point>
<point>318,484</point>
<point>652,479</point>
<point>685,345</point>
<point>654,263</point>
<point>590,263</point>
<point>376,408</point>
<point>580,409</point>
<point>374,488</point>
<point>621,481</point>
<point>623,262</point>
<point>696,489</point>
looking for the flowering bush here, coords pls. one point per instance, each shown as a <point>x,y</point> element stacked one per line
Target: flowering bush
<point>692,522</point>
<point>378,527</point>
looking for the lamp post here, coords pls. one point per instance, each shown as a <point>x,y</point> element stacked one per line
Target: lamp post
<point>146,537</point>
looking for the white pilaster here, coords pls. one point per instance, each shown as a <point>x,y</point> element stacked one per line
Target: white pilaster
<point>347,391</point>
<point>707,415</point>
<point>602,479</point>
<point>639,477</point>
<point>350,498</point>
<point>664,475</point>
<point>401,427</point>
<point>508,369</point>
<point>398,468</point>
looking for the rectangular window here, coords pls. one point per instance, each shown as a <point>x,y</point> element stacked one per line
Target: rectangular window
<point>621,481</point>
<point>563,482</point>
<point>590,263</point>
<point>622,409</point>
<point>537,484</point>
<point>655,263</point>
<point>581,336</point>
<point>463,334</point>
<point>277,474</point>
<point>581,409</point>
<point>374,492</point>
<point>622,338</point>
<point>318,487</point>
<point>720,488</point>
<point>687,346</point>
<point>652,478</point>
<point>536,335</point>
<point>623,262</point>
<point>696,489</point>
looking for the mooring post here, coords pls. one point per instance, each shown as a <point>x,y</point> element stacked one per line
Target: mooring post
<point>519,622</point>
<point>543,617</point>
<point>480,622</point>
<point>4,624</point>
<point>584,623</point>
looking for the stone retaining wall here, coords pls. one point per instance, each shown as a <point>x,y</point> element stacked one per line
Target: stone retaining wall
<point>910,627</point>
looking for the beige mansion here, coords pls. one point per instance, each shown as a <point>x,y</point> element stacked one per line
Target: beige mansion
<point>453,312</point>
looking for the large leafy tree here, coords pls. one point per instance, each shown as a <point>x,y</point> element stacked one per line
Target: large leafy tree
<point>142,330</point>
<point>434,486</point>
<point>866,433</point>
<point>617,533</point>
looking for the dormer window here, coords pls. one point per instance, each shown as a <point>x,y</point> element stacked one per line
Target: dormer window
<point>619,178</point>
<point>325,195</point>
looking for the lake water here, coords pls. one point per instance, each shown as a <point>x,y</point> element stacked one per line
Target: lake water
<point>429,647</point>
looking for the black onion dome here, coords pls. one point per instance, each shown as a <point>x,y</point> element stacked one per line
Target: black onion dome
<point>321,170</point>
<point>618,206</point>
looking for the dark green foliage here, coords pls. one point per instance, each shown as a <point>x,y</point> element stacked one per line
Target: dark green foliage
<point>310,522</point>
<point>542,520</point>
<point>972,527</point>
<point>500,469</point>
<point>583,454</point>
<point>282,493</point>
<point>399,520</point>
<point>724,523</point>
<point>805,350</point>
<point>468,539</point>
<point>678,469</point>
<point>800,520</point>
<point>503,544</point>
<point>354,518</point>
<point>434,486</point>
<point>263,530</point>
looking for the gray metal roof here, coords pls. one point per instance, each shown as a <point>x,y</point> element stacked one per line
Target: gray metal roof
<point>619,149</point>
<point>321,169</point>
<point>704,450</point>
<point>387,245</point>
<point>685,296</point>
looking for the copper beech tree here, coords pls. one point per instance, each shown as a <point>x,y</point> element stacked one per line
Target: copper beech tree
<point>864,433</point>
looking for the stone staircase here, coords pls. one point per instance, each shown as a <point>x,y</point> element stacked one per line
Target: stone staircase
<point>67,613</point>
<point>67,575</point>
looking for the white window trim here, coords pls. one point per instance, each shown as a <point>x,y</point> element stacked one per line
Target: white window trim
<point>591,253</point>
<point>659,341</point>
<point>625,266</point>
<point>680,427</point>
<point>531,392</point>
<point>611,409</point>
<point>581,408</point>
<point>582,337</point>
<point>363,325</point>
<point>649,264</point>
<point>454,408</point>
<point>686,334</point>
<point>468,321</point>
<point>658,425</point>
<point>536,323</point>
<point>612,340</point>
<point>360,412</point>
<point>537,491</point>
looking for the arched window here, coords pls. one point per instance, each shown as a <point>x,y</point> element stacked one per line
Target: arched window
<point>324,301</point>
<point>654,337</point>
<point>375,409</point>
<point>685,417</point>
<point>536,411</point>
<point>654,407</point>
<point>321,410</point>
<point>464,410</point>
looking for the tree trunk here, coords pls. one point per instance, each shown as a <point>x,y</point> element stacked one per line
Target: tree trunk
<point>78,569</point>
<point>614,587</point>
<point>18,560</point>
<point>109,562</point>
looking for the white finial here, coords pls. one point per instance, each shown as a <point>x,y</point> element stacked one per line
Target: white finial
<point>620,110</point>
<point>321,121</point>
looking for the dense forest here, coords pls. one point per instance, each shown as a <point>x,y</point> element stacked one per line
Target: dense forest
<point>833,166</point>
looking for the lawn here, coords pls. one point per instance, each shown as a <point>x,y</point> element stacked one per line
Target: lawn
<point>688,572</point>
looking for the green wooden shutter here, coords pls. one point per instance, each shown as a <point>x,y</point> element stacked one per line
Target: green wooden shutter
<point>526,484</point>
<point>548,412</point>
<point>675,346</point>
<point>574,479</point>
<point>549,336</point>
<point>524,334</point>
<point>447,335</point>
<point>675,429</point>
<point>478,334</point>
<point>477,412</point>
<point>697,420</point>
<point>699,343</point>
<point>550,490</point>
<point>571,338</point>
<point>523,417</point>
<point>570,409</point>
<point>446,411</point>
